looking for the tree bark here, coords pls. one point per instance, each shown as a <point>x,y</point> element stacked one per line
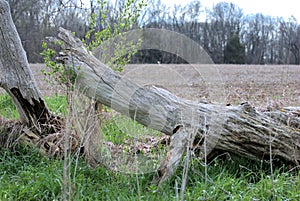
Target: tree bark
<point>16,76</point>
<point>210,127</point>
<point>236,129</point>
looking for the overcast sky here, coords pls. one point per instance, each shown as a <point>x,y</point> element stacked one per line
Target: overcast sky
<point>280,8</point>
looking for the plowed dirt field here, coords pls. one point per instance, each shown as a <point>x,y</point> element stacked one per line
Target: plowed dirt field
<point>261,85</point>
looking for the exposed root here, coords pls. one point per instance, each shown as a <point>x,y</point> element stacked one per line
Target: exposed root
<point>93,146</point>
<point>9,131</point>
<point>12,132</point>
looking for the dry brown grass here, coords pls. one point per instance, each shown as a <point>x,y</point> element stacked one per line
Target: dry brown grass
<point>257,84</point>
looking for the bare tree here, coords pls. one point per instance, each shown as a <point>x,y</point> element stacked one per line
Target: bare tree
<point>35,19</point>
<point>223,20</point>
<point>257,36</point>
<point>290,33</point>
<point>17,78</point>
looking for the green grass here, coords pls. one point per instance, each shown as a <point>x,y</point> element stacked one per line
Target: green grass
<point>25,174</point>
<point>56,104</point>
<point>120,128</point>
<point>7,107</point>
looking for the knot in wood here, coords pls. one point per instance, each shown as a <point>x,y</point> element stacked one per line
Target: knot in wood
<point>247,108</point>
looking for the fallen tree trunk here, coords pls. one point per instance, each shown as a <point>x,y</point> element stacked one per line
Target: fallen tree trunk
<point>237,129</point>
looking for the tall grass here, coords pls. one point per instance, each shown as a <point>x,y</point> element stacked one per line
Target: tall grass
<point>27,175</point>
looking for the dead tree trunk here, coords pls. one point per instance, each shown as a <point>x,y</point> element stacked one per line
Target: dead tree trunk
<point>237,129</point>
<point>16,77</point>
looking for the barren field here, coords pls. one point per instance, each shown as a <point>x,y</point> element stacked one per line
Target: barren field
<point>264,86</point>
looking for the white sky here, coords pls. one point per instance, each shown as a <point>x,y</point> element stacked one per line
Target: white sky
<point>280,8</point>
<point>276,8</point>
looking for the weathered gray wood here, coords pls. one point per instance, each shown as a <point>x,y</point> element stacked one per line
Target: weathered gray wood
<point>238,129</point>
<point>15,75</point>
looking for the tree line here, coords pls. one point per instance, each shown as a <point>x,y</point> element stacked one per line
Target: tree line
<point>225,32</point>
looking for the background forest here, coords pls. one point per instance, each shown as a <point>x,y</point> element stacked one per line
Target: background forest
<point>226,33</point>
